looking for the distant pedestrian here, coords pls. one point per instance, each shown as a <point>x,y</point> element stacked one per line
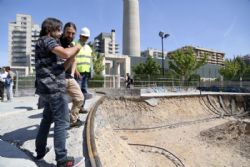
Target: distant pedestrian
<point>9,83</point>
<point>129,80</point>
<point>50,86</point>
<point>3,75</point>
<point>72,87</point>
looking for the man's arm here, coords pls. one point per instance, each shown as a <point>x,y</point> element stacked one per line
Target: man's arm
<point>73,68</point>
<point>71,62</point>
<point>78,75</point>
<point>66,53</point>
<point>68,62</point>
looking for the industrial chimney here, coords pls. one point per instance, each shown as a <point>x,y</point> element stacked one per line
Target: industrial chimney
<point>131,28</point>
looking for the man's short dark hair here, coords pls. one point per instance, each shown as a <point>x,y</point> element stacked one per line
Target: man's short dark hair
<point>50,25</point>
<point>69,24</point>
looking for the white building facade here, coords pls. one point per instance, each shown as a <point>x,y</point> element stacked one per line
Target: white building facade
<point>153,53</point>
<point>22,37</point>
<point>106,43</point>
<point>116,65</point>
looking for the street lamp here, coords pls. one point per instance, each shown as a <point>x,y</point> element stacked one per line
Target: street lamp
<point>162,35</point>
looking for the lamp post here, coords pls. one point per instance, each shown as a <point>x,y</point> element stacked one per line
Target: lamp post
<point>162,35</point>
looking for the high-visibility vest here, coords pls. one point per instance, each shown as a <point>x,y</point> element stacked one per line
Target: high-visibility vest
<point>84,58</point>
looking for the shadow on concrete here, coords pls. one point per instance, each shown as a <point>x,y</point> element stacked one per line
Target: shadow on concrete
<point>40,163</point>
<point>24,107</point>
<point>16,139</point>
<point>11,155</point>
<point>19,136</point>
<point>40,115</point>
<point>10,151</point>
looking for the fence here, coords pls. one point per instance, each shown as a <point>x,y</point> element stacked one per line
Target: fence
<point>25,85</point>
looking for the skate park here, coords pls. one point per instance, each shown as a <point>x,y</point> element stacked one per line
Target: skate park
<point>177,130</point>
<point>164,120</point>
<point>140,127</point>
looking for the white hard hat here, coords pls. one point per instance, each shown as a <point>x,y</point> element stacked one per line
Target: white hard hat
<point>85,32</point>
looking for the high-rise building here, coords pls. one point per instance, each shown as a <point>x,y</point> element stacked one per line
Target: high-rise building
<point>106,43</point>
<point>213,57</point>
<point>153,53</point>
<point>246,59</point>
<point>131,28</point>
<point>22,37</point>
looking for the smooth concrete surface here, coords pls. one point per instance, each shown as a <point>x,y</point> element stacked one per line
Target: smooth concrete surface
<point>19,124</point>
<point>10,156</point>
<point>18,104</point>
<point>164,92</point>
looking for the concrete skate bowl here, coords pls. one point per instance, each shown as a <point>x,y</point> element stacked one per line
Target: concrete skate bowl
<point>206,130</point>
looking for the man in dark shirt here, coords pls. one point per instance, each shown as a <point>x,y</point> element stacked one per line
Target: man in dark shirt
<point>128,80</point>
<point>2,76</point>
<point>50,86</point>
<point>72,87</point>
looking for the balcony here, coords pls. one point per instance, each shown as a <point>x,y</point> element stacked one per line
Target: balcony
<point>19,31</point>
<point>19,50</point>
<point>21,40</point>
<point>18,35</point>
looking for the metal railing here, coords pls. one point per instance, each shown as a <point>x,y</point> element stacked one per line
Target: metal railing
<point>25,85</point>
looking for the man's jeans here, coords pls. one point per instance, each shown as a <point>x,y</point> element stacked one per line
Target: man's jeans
<point>55,110</point>
<point>84,84</point>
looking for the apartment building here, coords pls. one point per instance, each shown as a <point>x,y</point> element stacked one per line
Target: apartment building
<point>106,43</point>
<point>246,59</point>
<point>153,53</point>
<point>22,36</point>
<point>213,57</point>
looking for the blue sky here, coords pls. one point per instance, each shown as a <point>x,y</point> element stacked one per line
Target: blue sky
<point>221,25</point>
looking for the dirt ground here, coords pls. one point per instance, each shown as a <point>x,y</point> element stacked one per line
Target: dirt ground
<point>182,127</point>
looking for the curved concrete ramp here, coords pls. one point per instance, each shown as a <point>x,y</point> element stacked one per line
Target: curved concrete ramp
<point>151,131</point>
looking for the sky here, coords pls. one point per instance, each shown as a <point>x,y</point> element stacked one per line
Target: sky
<point>220,25</point>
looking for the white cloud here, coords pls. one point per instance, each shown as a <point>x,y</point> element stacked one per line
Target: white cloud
<point>231,27</point>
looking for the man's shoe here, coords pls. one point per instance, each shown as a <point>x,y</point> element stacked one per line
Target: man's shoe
<point>69,162</point>
<point>78,123</point>
<point>83,111</point>
<point>40,156</point>
<point>88,96</point>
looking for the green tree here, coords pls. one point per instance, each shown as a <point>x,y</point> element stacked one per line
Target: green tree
<point>242,67</point>
<point>231,69</point>
<point>138,69</point>
<point>247,73</point>
<point>183,63</point>
<point>98,63</point>
<point>150,67</point>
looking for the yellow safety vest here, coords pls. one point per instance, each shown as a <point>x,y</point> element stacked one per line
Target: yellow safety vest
<point>84,58</point>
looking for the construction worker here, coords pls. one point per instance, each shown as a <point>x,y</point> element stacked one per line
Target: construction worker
<point>84,63</point>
